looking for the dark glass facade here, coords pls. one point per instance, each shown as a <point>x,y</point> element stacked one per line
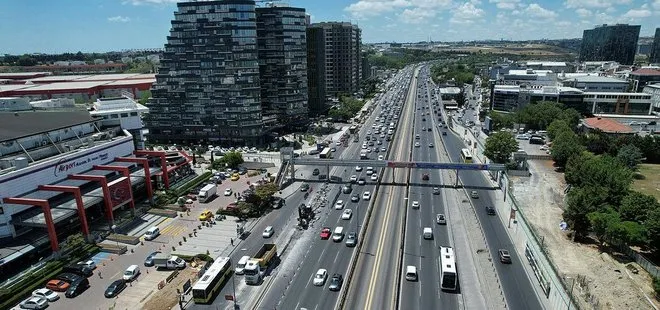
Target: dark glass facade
<point>610,43</point>
<point>282,45</point>
<point>207,88</point>
<point>655,48</point>
<point>316,70</point>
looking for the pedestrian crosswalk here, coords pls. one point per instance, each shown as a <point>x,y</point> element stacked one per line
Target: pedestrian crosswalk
<point>174,230</point>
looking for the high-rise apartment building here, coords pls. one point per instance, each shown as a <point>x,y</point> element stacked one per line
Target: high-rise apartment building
<point>281,41</point>
<point>655,48</point>
<point>334,61</point>
<point>610,43</point>
<point>207,88</point>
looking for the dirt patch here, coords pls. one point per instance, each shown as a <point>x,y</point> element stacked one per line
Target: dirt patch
<point>166,298</point>
<point>600,280</point>
<point>650,184</point>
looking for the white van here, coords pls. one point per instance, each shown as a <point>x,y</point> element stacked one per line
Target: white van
<point>411,273</point>
<point>131,272</point>
<point>338,234</point>
<point>240,267</point>
<point>428,233</point>
<point>152,233</point>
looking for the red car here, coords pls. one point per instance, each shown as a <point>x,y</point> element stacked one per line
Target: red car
<point>57,285</point>
<point>325,233</point>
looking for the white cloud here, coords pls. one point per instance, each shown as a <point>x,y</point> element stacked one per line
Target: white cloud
<point>505,4</point>
<point>141,2</point>
<point>119,19</point>
<point>366,8</point>
<point>416,15</point>
<point>583,12</point>
<point>535,10</point>
<point>637,13</point>
<point>656,4</point>
<point>466,13</point>
<point>594,3</point>
<point>431,4</point>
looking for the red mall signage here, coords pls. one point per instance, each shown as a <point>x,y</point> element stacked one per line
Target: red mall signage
<point>120,192</point>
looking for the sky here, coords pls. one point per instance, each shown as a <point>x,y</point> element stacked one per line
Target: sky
<point>56,26</point>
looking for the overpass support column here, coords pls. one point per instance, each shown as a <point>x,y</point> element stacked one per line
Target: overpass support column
<point>327,173</point>
<point>393,174</point>
<point>456,184</point>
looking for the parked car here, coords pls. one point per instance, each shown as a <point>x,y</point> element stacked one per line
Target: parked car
<point>46,293</point>
<point>89,264</point>
<point>77,288</point>
<point>149,261</point>
<point>57,285</point>
<point>206,215</point>
<point>115,288</point>
<point>34,302</point>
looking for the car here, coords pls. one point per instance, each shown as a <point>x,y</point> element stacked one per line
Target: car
<point>358,168</point>
<point>505,257</point>
<point>490,210</point>
<point>80,270</point>
<point>131,273</point>
<point>436,191</point>
<point>34,302</point>
<point>374,177</point>
<point>346,215</point>
<point>440,219</point>
<point>88,263</point>
<point>339,205</point>
<point>474,194</point>
<point>235,177</point>
<point>381,157</point>
<point>366,195</point>
<point>425,177</point>
<point>57,285</point>
<point>68,277</point>
<point>354,178</point>
<point>355,197</point>
<point>206,215</point>
<point>316,171</point>
<point>362,181</point>
<point>325,233</point>
<point>431,145</point>
<point>351,239</point>
<point>444,133</point>
<point>417,144</point>
<point>304,187</point>
<point>369,171</point>
<point>46,293</point>
<point>415,204</point>
<point>382,149</point>
<point>368,150</point>
<point>320,276</point>
<point>268,232</point>
<point>149,261</point>
<point>77,288</point>
<point>115,288</point>
<point>335,282</point>
<point>228,192</point>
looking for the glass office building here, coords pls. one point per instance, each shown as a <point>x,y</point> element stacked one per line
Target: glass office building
<point>610,43</point>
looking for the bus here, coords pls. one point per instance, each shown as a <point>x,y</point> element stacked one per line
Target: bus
<point>326,153</point>
<point>466,156</point>
<point>208,286</point>
<point>448,277</point>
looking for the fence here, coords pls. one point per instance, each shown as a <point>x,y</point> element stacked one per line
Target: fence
<point>641,260</point>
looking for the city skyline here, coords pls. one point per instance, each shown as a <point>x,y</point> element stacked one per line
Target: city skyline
<point>102,25</point>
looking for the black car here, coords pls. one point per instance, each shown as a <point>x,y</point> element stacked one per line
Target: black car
<point>316,171</point>
<point>444,133</point>
<point>277,202</point>
<point>335,282</point>
<point>69,277</point>
<point>115,288</point>
<point>76,288</point>
<point>347,188</point>
<point>80,270</point>
<point>490,210</point>
<point>351,239</point>
<point>149,261</point>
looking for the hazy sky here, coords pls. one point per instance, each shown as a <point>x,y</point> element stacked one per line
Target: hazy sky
<point>53,26</point>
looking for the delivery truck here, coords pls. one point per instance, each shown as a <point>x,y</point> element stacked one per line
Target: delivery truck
<point>207,192</point>
<point>258,264</point>
<point>165,261</point>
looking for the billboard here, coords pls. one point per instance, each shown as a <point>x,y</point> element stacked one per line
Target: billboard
<point>120,192</point>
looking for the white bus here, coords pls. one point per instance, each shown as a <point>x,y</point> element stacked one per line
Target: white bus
<point>449,277</point>
<point>466,156</point>
<point>208,286</point>
<point>326,153</point>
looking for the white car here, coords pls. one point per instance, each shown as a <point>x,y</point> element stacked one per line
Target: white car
<point>320,276</point>
<point>346,215</point>
<point>369,171</point>
<point>46,293</point>
<point>415,204</point>
<point>268,232</point>
<point>89,264</point>
<point>369,150</point>
<point>339,205</point>
<point>416,144</point>
<point>34,303</point>
<point>358,168</point>
<point>353,178</point>
<point>381,157</point>
<point>228,192</point>
<point>374,177</point>
<point>366,195</point>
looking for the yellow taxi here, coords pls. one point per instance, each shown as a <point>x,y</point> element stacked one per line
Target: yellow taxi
<point>206,215</point>
<point>235,177</point>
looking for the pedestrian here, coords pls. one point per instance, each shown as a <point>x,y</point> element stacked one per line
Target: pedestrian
<point>100,277</point>
<point>232,241</point>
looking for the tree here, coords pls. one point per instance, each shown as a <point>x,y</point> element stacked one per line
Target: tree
<point>232,159</point>
<point>26,60</point>
<point>580,202</point>
<point>576,169</point>
<point>630,156</point>
<point>636,206</point>
<point>652,226</point>
<point>564,147</point>
<point>571,117</point>
<point>501,120</point>
<point>265,191</point>
<point>597,142</point>
<point>557,127</point>
<point>600,171</point>
<point>602,224</point>
<point>499,146</point>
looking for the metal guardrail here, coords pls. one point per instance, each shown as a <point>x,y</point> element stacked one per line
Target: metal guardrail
<point>396,164</point>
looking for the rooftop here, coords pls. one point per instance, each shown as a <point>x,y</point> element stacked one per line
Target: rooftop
<point>530,72</point>
<point>594,79</point>
<point>115,105</point>
<point>646,72</point>
<point>606,125</point>
<point>22,124</point>
<point>450,90</point>
<point>62,86</point>
<point>546,63</point>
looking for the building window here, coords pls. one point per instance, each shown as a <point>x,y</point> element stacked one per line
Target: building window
<point>124,115</point>
<point>2,210</point>
<point>114,116</point>
<point>134,114</point>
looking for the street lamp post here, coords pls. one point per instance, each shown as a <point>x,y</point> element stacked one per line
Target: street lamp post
<point>114,231</point>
